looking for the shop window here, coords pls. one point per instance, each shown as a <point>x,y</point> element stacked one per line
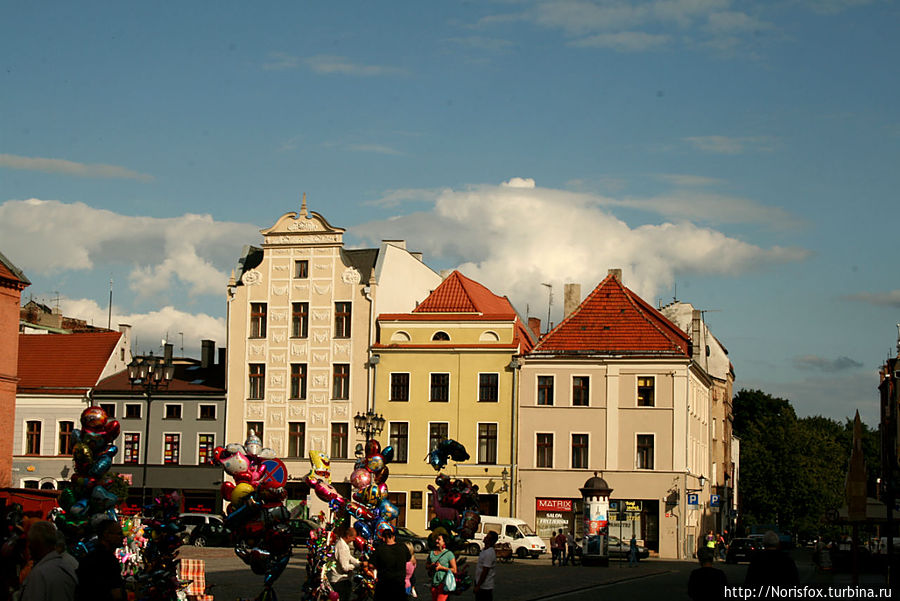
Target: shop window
<point>132,449</point>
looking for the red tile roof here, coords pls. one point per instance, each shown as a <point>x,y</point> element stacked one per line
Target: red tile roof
<point>459,294</point>
<point>64,361</point>
<point>615,320</point>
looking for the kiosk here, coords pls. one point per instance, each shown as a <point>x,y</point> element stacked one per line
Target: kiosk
<point>595,543</point>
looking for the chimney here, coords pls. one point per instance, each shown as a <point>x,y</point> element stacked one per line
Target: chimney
<point>534,324</point>
<point>397,243</point>
<point>616,273</point>
<point>167,352</point>
<point>207,353</point>
<point>222,355</point>
<point>418,257</point>
<point>571,298</point>
<point>696,333</point>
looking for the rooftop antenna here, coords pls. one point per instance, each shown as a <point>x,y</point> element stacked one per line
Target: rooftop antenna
<point>898,339</point>
<point>675,292</point>
<point>182,342</point>
<point>109,316</point>
<point>549,302</point>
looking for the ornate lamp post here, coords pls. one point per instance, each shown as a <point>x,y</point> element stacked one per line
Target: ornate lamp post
<point>150,373</point>
<point>369,424</point>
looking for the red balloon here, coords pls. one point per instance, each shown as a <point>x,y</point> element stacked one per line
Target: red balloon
<point>227,488</point>
<point>112,430</point>
<point>94,418</point>
<point>373,447</point>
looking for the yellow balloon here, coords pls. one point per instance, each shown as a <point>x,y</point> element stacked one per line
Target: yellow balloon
<point>321,465</point>
<point>241,492</point>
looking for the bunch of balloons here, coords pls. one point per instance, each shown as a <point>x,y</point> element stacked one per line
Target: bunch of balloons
<point>446,449</point>
<point>158,580</point>
<point>256,515</point>
<point>369,506</point>
<point>94,492</point>
<point>130,554</point>
<point>455,506</point>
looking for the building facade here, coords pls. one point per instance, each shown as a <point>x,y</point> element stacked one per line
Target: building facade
<point>12,282</point>
<point>613,389</point>
<point>301,318</point>
<point>445,372</point>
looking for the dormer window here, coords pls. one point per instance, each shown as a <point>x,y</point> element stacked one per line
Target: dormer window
<point>440,336</point>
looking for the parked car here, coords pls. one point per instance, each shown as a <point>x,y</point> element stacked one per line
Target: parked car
<point>213,534</point>
<point>192,520</point>
<point>405,535</point>
<point>741,549</point>
<point>620,549</point>
<point>300,530</point>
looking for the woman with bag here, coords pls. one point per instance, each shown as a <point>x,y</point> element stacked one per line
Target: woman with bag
<point>442,565</point>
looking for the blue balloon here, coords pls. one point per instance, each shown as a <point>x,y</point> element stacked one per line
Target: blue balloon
<point>363,530</point>
<point>100,467</point>
<point>103,497</point>
<point>110,451</point>
<point>387,453</point>
<point>387,510</point>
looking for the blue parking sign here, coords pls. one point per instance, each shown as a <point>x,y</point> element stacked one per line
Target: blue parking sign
<point>693,498</point>
<point>715,501</point>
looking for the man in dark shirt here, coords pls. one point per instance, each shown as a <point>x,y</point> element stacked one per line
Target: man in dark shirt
<point>772,566</point>
<point>99,572</point>
<point>390,559</point>
<point>706,582</point>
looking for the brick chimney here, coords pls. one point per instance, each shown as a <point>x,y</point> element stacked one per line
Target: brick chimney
<point>167,353</point>
<point>571,298</point>
<point>616,273</point>
<point>534,324</point>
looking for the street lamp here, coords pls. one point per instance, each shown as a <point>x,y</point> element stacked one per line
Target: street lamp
<point>150,373</point>
<point>369,423</point>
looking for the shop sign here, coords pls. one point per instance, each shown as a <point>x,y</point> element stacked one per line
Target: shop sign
<point>554,505</point>
<point>633,506</point>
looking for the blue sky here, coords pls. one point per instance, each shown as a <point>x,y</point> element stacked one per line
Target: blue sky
<point>743,154</point>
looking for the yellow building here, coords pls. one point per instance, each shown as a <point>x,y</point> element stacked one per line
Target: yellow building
<point>445,372</point>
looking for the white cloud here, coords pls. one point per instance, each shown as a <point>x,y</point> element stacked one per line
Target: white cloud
<point>890,298</point>
<point>330,64</point>
<point>64,167</point>
<point>707,207</point>
<point>513,238</point>
<point>281,61</point>
<point>148,329</point>
<point>194,250</point>
<point>374,148</point>
<point>624,41</point>
<point>730,145</point>
<point>687,180</point>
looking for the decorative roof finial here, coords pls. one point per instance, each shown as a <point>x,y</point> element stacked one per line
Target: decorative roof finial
<point>303,206</point>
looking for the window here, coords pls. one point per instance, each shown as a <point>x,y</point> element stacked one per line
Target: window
<point>205,445</point>
<point>296,439</point>
<point>581,391</point>
<point>440,388</point>
<point>172,448</point>
<point>207,412</point>
<point>173,411</point>
<point>301,269</point>
<point>30,483</point>
<point>33,438</point>
<point>66,442</point>
<point>488,388</point>
<point>645,394</point>
<point>298,380</point>
<point>110,409</point>
<point>714,428</point>
<point>544,455</point>
<point>299,320</point>
<point>132,448</point>
<point>415,499</point>
<point>400,387</point>
<point>487,443</point>
<point>341,383</point>
<point>258,320</point>
<point>256,428</point>
<point>132,411</point>
<point>399,439</point>
<point>579,451</point>
<point>645,451</point>
<point>257,381</point>
<point>545,390</point>
<point>436,433</point>
<point>339,441</point>
<point>342,320</point>
<point>441,336</point>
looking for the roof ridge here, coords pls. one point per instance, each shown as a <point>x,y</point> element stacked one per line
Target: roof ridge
<point>647,319</point>
<point>574,312</point>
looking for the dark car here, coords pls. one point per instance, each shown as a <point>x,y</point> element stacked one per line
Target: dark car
<point>213,534</point>
<point>405,535</point>
<point>300,530</point>
<point>619,549</point>
<point>740,549</point>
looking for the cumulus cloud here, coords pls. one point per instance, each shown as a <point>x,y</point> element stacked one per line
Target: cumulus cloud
<point>149,329</point>
<point>712,208</point>
<point>194,250</point>
<point>814,362</point>
<point>879,299</point>
<point>513,236</point>
<point>64,167</point>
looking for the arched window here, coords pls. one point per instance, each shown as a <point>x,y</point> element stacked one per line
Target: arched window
<point>489,336</point>
<point>441,335</point>
<point>400,336</point>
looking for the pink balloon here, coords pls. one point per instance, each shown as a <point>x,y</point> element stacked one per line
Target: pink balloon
<point>360,478</point>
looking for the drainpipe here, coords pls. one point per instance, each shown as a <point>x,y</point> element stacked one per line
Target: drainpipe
<point>370,364</point>
<point>515,365</point>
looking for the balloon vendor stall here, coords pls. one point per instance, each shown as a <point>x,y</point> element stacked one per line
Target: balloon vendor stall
<point>256,515</point>
<point>158,579</point>
<point>369,510</point>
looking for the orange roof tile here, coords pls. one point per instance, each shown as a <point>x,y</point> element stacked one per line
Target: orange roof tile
<point>459,294</point>
<point>64,361</point>
<point>615,320</point>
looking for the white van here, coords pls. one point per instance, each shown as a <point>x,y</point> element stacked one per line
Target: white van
<point>521,538</point>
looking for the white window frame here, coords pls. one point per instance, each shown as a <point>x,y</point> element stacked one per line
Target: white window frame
<point>409,386</point>
<point>537,390</point>
<point>197,446</point>
<point>444,332</point>
<point>478,385</point>
<point>162,449</point>
<point>166,411</point>
<point>75,424</point>
<point>572,390</point>
<point>215,411</point>
<point>637,379</point>
<point>552,454</point>
<point>644,469</point>
<point>478,442</point>
<point>140,410</point>
<point>428,433</point>
<point>391,423</point>
<point>24,439</point>
<point>120,457</point>
<point>572,454</point>
<point>449,386</point>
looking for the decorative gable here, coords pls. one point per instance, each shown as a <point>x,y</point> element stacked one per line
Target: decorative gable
<point>301,228</point>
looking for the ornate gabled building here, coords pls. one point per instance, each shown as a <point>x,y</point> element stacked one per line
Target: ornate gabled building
<point>12,282</point>
<point>301,318</point>
<point>446,370</point>
<point>613,389</point>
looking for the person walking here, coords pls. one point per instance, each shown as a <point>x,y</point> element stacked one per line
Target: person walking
<point>570,548</point>
<point>390,559</point>
<point>341,575</point>
<point>632,552</point>
<point>771,565</point>
<point>99,572</point>
<point>554,549</point>
<point>706,583</point>
<point>410,581</point>
<point>484,571</point>
<point>561,543</point>
<point>52,578</point>
<point>440,561</point>
<point>720,546</point>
